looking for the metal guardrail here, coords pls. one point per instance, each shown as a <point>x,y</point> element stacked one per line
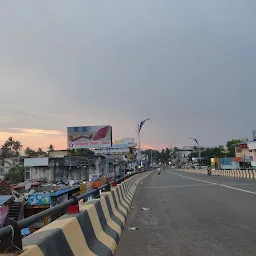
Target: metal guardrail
<point>15,227</point>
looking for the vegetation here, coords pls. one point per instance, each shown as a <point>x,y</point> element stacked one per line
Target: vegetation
<point>15,174</point>
<point>50,148</point>
<point>11,148</point>
<point>231,147</point>
<point>166,155</point>
<point>81,152</point>
<point>162,156</point>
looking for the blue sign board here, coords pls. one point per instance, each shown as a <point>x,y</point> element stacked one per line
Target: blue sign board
<point>39,199</point>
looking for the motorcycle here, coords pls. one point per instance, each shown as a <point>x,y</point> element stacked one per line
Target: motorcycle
<point>159,171</point>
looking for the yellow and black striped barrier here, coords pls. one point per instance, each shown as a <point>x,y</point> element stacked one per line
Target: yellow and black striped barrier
<point>95,230</point>
<point>241,174</point>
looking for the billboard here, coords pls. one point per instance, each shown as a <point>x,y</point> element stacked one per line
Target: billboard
<point>38,199</point>
<point>89,137</point>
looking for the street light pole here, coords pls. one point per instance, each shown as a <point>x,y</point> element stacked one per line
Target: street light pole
<point>199,150</point>
<point>139,146</point>
<point>139,126</point>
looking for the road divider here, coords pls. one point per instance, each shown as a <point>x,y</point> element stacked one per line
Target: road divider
<point>240,174</point>
<point>94,230</point>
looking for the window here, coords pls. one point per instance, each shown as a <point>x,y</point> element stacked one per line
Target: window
<point>27,173</point>
<point>250,150</point>
<point>238,150</point>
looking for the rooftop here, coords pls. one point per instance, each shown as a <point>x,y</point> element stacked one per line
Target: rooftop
<point>5,188</point>
<point>5,198</point>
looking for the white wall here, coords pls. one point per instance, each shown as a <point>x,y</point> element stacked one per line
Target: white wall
<point>30,162</point>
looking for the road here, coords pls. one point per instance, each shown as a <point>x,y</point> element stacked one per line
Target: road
<point>191,215</point>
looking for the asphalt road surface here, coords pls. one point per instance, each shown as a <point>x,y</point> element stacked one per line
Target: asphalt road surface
<point>191,214</point>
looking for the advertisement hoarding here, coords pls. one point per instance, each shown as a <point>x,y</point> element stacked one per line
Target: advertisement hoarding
<point>38,199</point>
<point>89,137</point>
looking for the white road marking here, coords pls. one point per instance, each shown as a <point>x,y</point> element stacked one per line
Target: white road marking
<point>183,186</point>
<point>222,185</point>
<point>242,184</point>
<point>195,179</point>
<point>239,189</point>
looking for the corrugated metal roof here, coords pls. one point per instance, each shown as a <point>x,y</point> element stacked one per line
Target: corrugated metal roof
<point>5,198</point>
<point>62,191</point>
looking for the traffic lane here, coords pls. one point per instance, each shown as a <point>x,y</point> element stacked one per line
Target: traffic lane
<point>244,184</point>
<point>189,220</point>
<point>175,180</point>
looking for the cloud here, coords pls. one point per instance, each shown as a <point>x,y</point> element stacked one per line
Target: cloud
<point>188,67</point>
<point>35,138</point>
<point>36,131</point>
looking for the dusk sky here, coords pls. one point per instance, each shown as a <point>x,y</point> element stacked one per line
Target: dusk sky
<point>188,65</point>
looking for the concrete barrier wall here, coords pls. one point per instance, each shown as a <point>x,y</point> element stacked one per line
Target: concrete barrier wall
<point>241,174</point>
<point>95,230</point>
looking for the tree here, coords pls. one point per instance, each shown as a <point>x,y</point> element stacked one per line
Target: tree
<point>15,174</point>
<point>30,152</point>
<point>10,142</point>
<point>208,153</point>
<point>40,152</point>
<point>11,148</point>
<point>231,147</point>
<point>155,155</point>
<point>85,152</point>
<point>16,145</point>
<point>5,151</point>
<point>165,155</point>
<point>50,148</point>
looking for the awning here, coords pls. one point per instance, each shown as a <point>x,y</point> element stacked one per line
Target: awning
<point>237,159</point>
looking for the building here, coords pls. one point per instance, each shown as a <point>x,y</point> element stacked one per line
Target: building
<point>125,147</point>
<point>68,168</point>
<point>124,152</point>
<point>129,142</point>
<point>8,163</point>
<point>58,153</point>
<point>252,147</point>
<point>244,155</point>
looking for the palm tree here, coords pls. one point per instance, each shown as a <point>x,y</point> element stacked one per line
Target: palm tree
<point>50,148</point>
<point>40,151</point>
<point>5,153</point>
<point>10,142</point>
<point>16,145</point>
<point>29,152</point>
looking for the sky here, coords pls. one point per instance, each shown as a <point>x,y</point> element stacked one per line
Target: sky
<point>188,65</point>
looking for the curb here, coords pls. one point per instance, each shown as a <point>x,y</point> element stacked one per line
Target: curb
<point>95,230</point>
